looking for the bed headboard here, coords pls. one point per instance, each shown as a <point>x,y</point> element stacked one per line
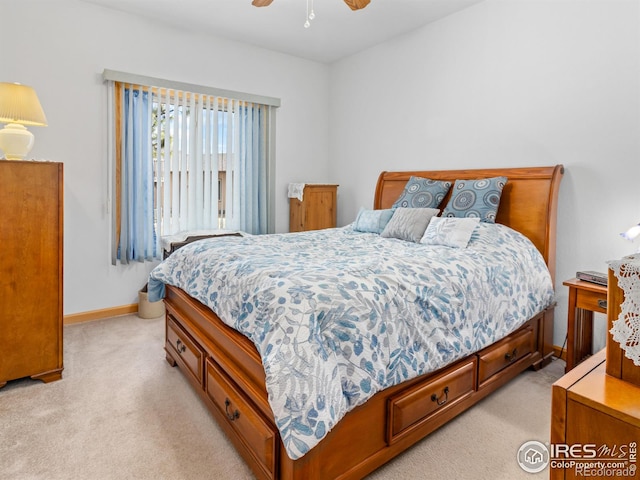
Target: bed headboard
<point>528,204</point>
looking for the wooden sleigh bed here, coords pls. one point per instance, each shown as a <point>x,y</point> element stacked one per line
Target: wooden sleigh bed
<point>225,368</point>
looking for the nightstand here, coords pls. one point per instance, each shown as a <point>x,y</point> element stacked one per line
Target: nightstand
<point>316,210</point>
<point>584,299</point>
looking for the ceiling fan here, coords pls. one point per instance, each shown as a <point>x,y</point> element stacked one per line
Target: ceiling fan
<point>353,4</point>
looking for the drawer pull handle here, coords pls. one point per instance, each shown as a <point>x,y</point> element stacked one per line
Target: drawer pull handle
<point>230,416</point>
<point>511,356</point>
<point>602,304</point>
<point>434,397</point>
<point>180,347</point>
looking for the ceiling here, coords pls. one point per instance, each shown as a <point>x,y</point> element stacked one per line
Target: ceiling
<point>336,31</point>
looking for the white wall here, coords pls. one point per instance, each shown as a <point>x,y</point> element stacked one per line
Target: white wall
<point>61,48</point>
<point>506,83</point>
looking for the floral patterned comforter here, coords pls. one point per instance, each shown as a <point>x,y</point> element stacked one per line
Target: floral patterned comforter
<point>338,315</point>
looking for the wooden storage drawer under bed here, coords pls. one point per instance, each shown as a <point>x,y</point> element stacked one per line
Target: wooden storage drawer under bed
<point>504,353</point>
<point>184,350</point>
<point>412,408</point>
<point>257,436</point>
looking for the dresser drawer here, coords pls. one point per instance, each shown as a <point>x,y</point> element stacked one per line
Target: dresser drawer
<point>504,353</point>
<point>254,432</point>
<point>421,403</point>
<point>185,350</point>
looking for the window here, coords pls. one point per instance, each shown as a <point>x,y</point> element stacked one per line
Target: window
<point>186,161</point>
<point>173,126</point>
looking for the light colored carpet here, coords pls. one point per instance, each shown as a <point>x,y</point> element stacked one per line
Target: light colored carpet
<point>121,412</point>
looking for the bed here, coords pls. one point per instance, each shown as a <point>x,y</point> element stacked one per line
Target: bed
<point>242,389</point>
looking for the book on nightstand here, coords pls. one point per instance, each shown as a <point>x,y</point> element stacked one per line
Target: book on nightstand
<point>593,277</point>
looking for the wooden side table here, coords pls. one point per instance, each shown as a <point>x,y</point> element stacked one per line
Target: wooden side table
<point>584,299</point>
<point>316,211</point>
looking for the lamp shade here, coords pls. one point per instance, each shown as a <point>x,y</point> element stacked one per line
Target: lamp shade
<point>632,233</point>
<point>357,4</point>
<point>20,104</point>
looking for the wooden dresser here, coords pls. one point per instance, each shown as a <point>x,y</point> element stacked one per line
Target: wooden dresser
<point>316,211</point>
<point>31,270</point>
<point>596,411</point>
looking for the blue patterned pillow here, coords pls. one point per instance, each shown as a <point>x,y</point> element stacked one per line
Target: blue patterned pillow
<point>476,199</point>
<point>372,221</point>
<point>422,193</point>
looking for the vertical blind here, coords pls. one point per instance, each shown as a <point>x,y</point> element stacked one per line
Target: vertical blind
<point>187,161</point>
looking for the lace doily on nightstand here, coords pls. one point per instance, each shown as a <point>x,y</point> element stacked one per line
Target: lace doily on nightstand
<point>626,329</point>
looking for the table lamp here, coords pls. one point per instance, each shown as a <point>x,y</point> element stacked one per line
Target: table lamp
<point>19,106</point>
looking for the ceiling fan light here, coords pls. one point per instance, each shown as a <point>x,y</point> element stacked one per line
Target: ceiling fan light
<point>357,4</point>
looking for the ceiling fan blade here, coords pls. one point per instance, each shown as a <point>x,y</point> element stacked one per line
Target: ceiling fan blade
<point>357,4</point>
<point>261,3</point>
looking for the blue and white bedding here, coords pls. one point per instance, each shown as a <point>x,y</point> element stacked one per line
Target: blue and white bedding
<point>338,315</point>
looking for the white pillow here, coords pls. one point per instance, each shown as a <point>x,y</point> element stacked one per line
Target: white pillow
<point>449,231</point>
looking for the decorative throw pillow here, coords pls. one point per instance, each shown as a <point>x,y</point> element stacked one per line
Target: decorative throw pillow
<point>476,199</point>
<point>372,221</point>
<point>450,232</point>
<point>409,223</point>
<point>422,193</point>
